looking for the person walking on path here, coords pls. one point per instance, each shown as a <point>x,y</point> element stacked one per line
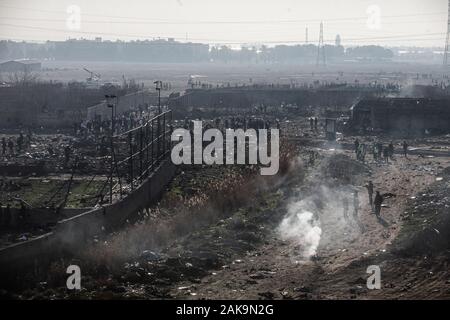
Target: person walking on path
<point>370,193</point>
<point>377,202</point>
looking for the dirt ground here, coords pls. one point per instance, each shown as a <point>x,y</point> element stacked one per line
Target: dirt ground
<point>241,252</point>
<point>338,270</point>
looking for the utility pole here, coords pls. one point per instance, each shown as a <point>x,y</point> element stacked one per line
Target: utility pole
<point>158,85</point>
<point>321,60</point>
<point>306,35</point>
<point>448,37</point>
<point>110,104</point>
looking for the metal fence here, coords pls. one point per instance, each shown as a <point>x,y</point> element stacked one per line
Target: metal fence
<point>135,154</point>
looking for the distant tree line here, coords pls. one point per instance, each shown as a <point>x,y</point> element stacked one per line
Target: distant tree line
<point>173,51</point>
<point>27,98</point>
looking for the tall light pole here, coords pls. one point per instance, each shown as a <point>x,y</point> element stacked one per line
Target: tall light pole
<point>110,104</point>
<point>158,85</point>
<point>447,42</point>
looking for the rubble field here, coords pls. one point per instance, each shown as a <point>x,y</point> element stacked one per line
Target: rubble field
<point>223,232</point>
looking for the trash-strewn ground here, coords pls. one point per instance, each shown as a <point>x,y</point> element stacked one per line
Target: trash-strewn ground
<point>223,232</point>
<point>338,270</point>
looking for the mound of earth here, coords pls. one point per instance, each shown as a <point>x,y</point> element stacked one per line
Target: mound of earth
<point>343,170</point>
<point>426,227</point>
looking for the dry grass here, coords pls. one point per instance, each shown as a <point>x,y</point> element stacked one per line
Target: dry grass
<point>179,213</point>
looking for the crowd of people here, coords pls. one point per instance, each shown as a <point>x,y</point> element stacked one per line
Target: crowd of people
<point>122,123</point>
<point>223,123</point>
<point>12,146</point>
<point>380,152</point>
<point>313,123</point>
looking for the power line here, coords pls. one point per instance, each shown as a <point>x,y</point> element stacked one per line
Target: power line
<point>156,21</point>
<point>382,38</point>
<point>75,31</point>
<point>192,22</point>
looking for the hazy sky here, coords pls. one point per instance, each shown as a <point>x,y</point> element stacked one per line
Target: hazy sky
<point>386,22</point>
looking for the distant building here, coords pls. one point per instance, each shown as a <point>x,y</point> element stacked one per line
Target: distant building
<point>338,41</point>
<point>402,115</point>
<point>20,66</point>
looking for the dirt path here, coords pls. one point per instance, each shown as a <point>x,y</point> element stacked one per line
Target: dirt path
<point>346,249</point>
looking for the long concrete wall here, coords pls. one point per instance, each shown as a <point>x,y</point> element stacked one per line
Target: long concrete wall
<point>247,97</point>
<point>72,233</point>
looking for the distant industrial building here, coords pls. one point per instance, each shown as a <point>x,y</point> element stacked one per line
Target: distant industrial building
<point>402,115</point>
<point>20,66</point>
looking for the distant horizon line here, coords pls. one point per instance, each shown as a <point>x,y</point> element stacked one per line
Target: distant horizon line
<point>228,44</point>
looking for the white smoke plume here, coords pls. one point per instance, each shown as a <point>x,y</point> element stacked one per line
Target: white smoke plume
<point>302,227</point>
<point>318,220</point>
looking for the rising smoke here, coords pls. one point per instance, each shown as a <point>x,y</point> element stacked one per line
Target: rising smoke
<point>317,220</point>
<point>301,227</point>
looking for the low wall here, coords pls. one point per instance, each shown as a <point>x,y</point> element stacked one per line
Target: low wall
<point>36,216</point>
<point>248,97</point>
<point>71,233</point>
<point>125,103</point>
<point>74,230</point>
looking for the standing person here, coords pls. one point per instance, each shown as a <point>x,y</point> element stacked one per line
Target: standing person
<point>391,150</point>
<point>377,202</point>
<point>311,123</point>
<point>316,120</point>
<point>356,146</point>
<point>405,149</point>
<point>379,149</point>
<point>345,207</point>
<point>11,146</point>
<point>363,152</point>
<point>67,152</point>
<point>370,192</point>
<point>386,155</point>
<point>374,152</point>
<point>3,146</point>
<point>20,142</point>
<point>355,204</point>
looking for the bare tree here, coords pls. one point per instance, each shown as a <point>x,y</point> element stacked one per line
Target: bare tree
<point>23,78</point>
